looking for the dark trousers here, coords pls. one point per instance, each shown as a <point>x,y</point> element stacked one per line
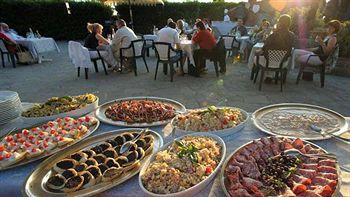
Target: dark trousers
<point>199,56</point>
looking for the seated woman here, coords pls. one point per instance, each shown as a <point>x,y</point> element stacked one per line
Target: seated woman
<point>94,40</point>
<point>326,46</point>
<point>206,41</point>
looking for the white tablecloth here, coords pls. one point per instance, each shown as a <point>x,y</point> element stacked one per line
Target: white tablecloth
<point>224,27</point>
<point>150,37</point>
<point>244,42</point>
<point>257,46</point>
<point>39,45</point>
<point>187,48</point>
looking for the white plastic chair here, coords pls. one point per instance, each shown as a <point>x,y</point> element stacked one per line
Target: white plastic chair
<point>81,57</point>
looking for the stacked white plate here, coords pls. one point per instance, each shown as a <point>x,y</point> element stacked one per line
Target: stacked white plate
<point>10,106</point>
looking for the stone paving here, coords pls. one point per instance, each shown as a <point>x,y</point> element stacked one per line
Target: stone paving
<point>36,83</point>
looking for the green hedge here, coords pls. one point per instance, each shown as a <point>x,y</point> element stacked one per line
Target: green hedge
<point>344,40</point>
<point>51,18</point>
<point>147,16</point>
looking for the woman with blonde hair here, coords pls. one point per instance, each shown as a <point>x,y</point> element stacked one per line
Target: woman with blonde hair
<point>95,41</point>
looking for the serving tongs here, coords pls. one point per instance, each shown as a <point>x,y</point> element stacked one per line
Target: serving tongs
<point>127,145</point>
<point>325,134</point>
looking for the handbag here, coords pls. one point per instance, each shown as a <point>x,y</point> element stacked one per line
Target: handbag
<point>24,56</point>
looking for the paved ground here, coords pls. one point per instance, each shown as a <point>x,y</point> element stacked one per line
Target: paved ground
<point>36,83</point>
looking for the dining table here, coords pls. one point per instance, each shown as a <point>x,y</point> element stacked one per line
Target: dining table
<point>38,46</point>
<point>187,46</point>
<point>12,180</point>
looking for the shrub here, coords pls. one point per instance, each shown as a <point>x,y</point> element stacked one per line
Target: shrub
<point>344,40</point>
<point>147,16</point>
<point>50,18</point>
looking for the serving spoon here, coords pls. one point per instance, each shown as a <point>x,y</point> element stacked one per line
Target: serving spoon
<point>323,133</point>
<point>127,145</point>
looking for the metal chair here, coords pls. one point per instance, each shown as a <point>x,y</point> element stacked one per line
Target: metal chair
<point>95,57</point>
<point>137,49</point>
<point>147,45</point>
<point>306,67</point>
<point>231,44</point>
<point>166,54</point>
<point>275,62</point>
<point>10,56</point>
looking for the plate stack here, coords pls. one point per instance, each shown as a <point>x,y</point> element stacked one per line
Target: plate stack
<point>10,106</point>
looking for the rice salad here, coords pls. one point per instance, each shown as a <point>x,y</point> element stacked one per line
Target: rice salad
<point>183,164</point>
<point>209,119</point>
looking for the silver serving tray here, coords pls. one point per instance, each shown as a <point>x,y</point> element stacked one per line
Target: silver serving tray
<point>74,113</point>
<point>100,112</point>
<point>258,114</point>
<point>221,133</point>
<point>35,183</point>
<point>196,188</point>
<point>53,151</point>
<point>222,173</point>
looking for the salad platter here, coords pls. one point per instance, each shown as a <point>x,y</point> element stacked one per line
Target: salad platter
<point>21,147</point>
<point>262,168</point>
<point>221,121</point>
<point>309,122</point>
<point>139,111</point>
<point>183,167</point>
<point>59,107</point>
<point>94,165</point>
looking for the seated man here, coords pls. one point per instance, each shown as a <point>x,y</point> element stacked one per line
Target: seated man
<point>169,34</point>
<point>10,44</point>
<point>122,39</point>
<point>206,42</point>
<point>281,39</point>
<point>10,32</point>
<point>240,28</point>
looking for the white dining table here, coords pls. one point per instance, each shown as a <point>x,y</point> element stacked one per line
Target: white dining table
<point>187,47</point>
<point>37,46</point>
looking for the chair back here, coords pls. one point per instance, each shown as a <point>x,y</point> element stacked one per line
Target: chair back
<point>333,57</point>
<point>229,41</point>
<point>3,46</point>
<point>79,55</point>
<point>162,50</point>
<point>137,47</point>
<point>275,58</point>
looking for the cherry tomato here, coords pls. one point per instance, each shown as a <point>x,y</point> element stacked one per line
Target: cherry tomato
<point>208,170</point>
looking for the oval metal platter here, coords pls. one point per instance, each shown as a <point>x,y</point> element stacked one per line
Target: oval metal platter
<point>74,113</point>
<point>53,151</point>
<point>100,112</point>
<point>222,173</point>
<point>35,184</point>
<point>221,133</point>
<point>299,109</point>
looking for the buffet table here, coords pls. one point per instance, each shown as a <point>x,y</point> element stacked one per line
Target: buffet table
<point>12,180</point>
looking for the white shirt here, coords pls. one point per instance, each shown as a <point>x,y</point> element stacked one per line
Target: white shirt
<point>226,18</point>
<point>122,39</point>
<point>168,35</point>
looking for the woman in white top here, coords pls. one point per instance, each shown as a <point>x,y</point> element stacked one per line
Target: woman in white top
<point>325,48</point>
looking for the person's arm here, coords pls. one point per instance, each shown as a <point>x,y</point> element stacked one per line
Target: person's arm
<point>101,39</point>
<point>177,40</point>
<point>196,38</point>
<point>330,45</point>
